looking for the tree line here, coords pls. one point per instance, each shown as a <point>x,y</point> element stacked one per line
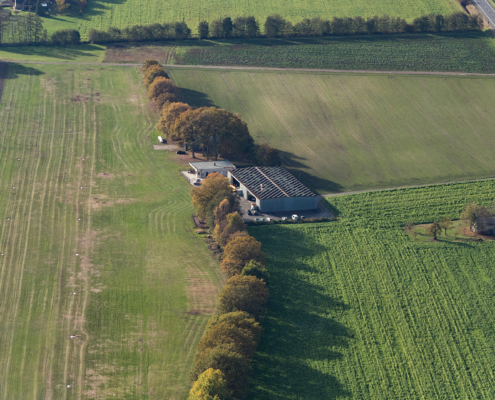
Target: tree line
<point>28,29</point>
<point>222,365</point>
<point>277,26</point>
<point>214,131</point>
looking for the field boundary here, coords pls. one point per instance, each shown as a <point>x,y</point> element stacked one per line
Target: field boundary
<point>405,187</point>
<point>356,71</point>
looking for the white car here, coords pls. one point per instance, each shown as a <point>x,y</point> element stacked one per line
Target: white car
<point>295,217</point>
<point>284,218</point>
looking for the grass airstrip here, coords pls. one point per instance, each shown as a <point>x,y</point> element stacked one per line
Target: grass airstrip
<point>341,132</point>
<point>104,288</point>
<point>101,14</point>
<point>358,310</point>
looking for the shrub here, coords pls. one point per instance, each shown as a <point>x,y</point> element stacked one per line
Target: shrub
<point>243,293</point>
<point>65,37</point>
<point>211,385</point>
<point>239,252</point>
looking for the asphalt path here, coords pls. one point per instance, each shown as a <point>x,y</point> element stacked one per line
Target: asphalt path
<point>356,71</point>
<point>487,9</point>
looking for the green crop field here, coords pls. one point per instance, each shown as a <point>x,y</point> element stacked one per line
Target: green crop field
<point>447,53</point>
<point>342,132</point>
<point>101,14</point>
<point>96,242</point>
<point>359,311</point>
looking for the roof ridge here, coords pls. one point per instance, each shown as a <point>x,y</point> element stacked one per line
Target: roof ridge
<point>266,176</point>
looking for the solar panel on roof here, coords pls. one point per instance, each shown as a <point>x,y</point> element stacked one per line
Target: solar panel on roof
<point>277,182</point>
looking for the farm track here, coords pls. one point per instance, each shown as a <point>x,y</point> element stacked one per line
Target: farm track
<point>171,66</point>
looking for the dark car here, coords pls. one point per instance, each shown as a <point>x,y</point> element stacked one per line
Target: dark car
<point>181,152</point>
<point>249,212</point>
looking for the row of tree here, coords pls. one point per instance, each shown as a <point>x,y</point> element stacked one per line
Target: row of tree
<point>214,131</point>
<point>276,26</point>
<point>223,361</point>
<point>28,28</point>
<point>24,28</point>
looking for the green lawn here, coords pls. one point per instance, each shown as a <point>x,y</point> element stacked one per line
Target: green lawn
<point>96,242</point>
<point>359,311</point>
<point>101,14</point>
<point>342,132</point>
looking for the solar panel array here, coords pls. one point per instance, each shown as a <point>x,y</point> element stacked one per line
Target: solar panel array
<point>277,182</point>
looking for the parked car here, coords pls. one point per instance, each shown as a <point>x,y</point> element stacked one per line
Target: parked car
<point>249,212</point>
<point>302,217</point>
<point>256,220</point>
<point>284,218</point>
<point>268,219</point>
<point>255,212</point>
<point>180,152</point>
<point>197,182</point>
<point>262,219</point>
<point>295,217</point>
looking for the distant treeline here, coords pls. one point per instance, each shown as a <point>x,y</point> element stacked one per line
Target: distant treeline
<point>28,28</point>
<point>277,26</point>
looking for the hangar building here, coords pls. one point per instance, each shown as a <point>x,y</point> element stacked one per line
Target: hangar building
<point>273,188</point>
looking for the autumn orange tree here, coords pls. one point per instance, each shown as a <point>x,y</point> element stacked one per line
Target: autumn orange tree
<point>239,252</point>
<point>161,85</point>
<point>243,293</point>
<point>153,72</point>
<point>169,115</point>
<point>147,64</point>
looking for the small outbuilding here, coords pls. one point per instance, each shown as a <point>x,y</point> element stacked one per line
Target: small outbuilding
<point>207,167</point>
<point>274,189</point>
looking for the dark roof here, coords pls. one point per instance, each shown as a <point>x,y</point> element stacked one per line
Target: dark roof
<point>277,182</point>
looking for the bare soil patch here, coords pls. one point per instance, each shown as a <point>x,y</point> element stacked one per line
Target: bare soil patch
<point>201,292</point>
<point>136,53</point>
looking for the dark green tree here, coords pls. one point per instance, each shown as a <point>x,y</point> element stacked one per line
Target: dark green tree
<point>203,30</point>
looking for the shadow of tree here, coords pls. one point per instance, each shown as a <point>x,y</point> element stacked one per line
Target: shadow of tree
<point>301,332</point>
<point>195,98</point>
<point>60,52</point>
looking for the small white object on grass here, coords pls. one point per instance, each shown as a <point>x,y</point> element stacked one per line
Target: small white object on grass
<point>68,386</point>
<point>74,293</point>
<point>18,159</point>
<point>13,187</point>
<point>77,254</point>
<point>80,187</point>
<point>79,219</point>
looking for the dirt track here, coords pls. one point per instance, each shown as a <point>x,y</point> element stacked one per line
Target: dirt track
<point>268,69</point>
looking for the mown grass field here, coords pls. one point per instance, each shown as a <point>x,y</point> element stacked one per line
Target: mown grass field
<point>96,242</point>
<point>359,311</point>
<point>101,14</point>
<point>341,132</point>
<point>448,53</point>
